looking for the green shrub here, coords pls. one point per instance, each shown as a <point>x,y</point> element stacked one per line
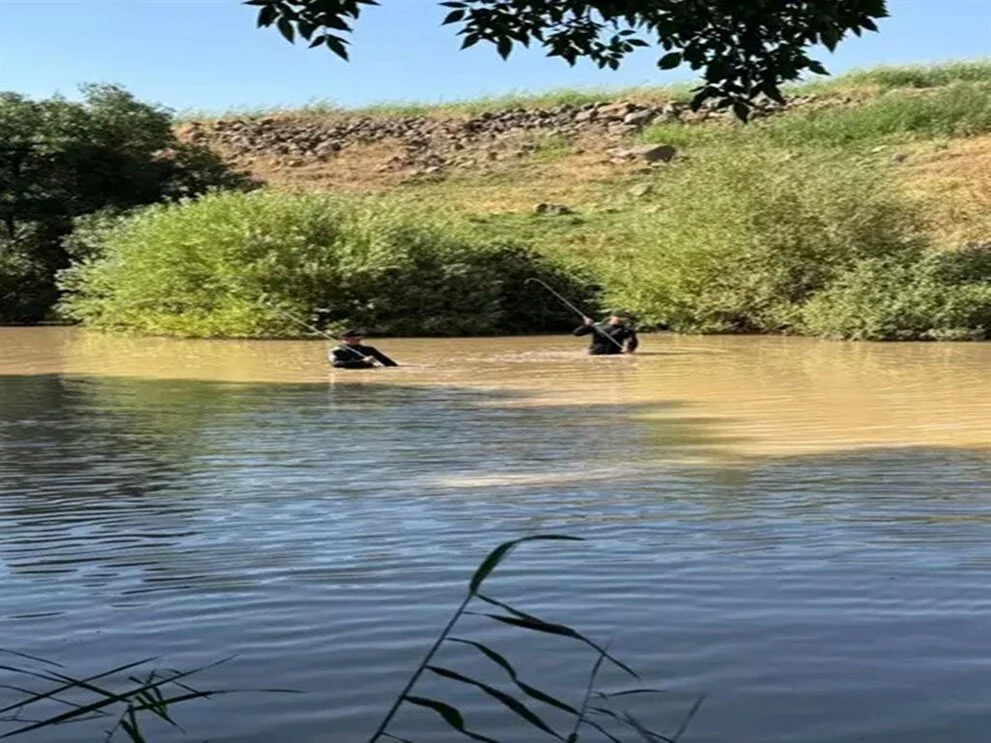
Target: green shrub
<point>201,268</point>
<point>744,237</point>
<point>942,296</point>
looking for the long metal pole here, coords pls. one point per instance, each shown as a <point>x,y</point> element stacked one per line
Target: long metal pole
<point>575,309</point>
<point>306,325</point>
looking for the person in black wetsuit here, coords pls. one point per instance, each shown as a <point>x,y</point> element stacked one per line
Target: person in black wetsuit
<point>351,354</point>
<point>614,336</point>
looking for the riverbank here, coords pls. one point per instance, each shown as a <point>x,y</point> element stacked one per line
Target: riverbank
<point>862,211</point>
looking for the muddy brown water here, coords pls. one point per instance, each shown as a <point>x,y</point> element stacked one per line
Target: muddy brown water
<point>799,529</point>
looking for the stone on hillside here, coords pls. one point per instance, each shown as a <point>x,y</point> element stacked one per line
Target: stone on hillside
<point>899,157</point>
<point>641,189</point>
<point>651,153</point>
<point>551,210</point>
<point>638,118</point>
<point>583,117</point>
<point>621,130</point>
<point>615,110</point>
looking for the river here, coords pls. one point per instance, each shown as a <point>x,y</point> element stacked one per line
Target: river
<point>798,529</point>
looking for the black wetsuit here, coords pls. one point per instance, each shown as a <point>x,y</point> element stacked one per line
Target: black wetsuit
<point>623,335</point>
<point>349,357</point>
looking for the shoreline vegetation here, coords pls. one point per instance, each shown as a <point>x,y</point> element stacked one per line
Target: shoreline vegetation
<point>865,215</point>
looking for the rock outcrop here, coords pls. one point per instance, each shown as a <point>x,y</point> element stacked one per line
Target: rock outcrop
<point>433,144</point>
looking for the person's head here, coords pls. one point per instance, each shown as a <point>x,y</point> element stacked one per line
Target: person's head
<point>615,318</point>
<point>352,337</point>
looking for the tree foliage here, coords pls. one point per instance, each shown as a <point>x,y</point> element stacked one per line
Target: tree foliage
<point>744,48</point>
<point>60,160</point>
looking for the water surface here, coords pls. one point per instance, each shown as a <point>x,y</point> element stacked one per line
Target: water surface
<point>799,529</point>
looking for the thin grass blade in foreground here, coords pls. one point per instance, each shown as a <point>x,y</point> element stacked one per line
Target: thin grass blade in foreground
<point>484,570</point>
<point>582,715</point>
<point>156,693</point>
<point>451,715</point>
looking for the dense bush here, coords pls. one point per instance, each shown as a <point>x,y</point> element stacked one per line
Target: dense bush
<point>745,237</point>
<point>61,159</point>
<point>216,266</point>
<point>25,291</point>
<point>941,296</point>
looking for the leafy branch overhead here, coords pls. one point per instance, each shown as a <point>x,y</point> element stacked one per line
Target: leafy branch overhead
<point>744,48</point>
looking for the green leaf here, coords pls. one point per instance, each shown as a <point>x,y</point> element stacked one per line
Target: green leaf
<point>286,29</point>
<point>267,16</point>
<point>669,61</point>
<point>830,38</point>
<point>741,110</point>
<point>513,704</point>
<point>130,726</point>
<point>450,714</point>
<point>628,692</point>
<point>504,47</point>
<point>337,45</point>
<point>530,691</point>
<point>649,736</point>
<point>688,719</point>
<point>497,555</point>
<point>335,22</point>
<point>70,683</point>
<point>622,719</point>
<point>306,29</point>
<point>562,630</point>
<point>32,657</point>
<point>817,67</point>
<point>453,17</point>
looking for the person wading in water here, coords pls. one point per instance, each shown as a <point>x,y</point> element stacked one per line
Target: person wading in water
<point>351,354</point>
<point>614,336</point>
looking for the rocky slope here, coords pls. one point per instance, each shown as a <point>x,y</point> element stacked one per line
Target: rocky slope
<point>416,146</point>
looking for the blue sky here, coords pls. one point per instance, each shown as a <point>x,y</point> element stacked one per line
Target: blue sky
<point>207,54</point>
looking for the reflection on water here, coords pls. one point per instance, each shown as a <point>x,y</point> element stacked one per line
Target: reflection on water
<point>800,529</point>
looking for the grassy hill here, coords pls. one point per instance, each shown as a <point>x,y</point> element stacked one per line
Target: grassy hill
<point>862,209</point>
<point>929,128</point>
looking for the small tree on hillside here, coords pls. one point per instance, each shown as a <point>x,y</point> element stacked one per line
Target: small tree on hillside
<point>745,48</point>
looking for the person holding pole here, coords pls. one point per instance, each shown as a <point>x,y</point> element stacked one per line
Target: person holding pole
<point>614,336</point>
<point>352,354</point>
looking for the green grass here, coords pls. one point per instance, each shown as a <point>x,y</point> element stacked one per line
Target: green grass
<point>550,147</point>
<point>955,110</point>
<point>892,77</point>
<point>878,79</point>
<point>467,107</point>
<point>959,109</point>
